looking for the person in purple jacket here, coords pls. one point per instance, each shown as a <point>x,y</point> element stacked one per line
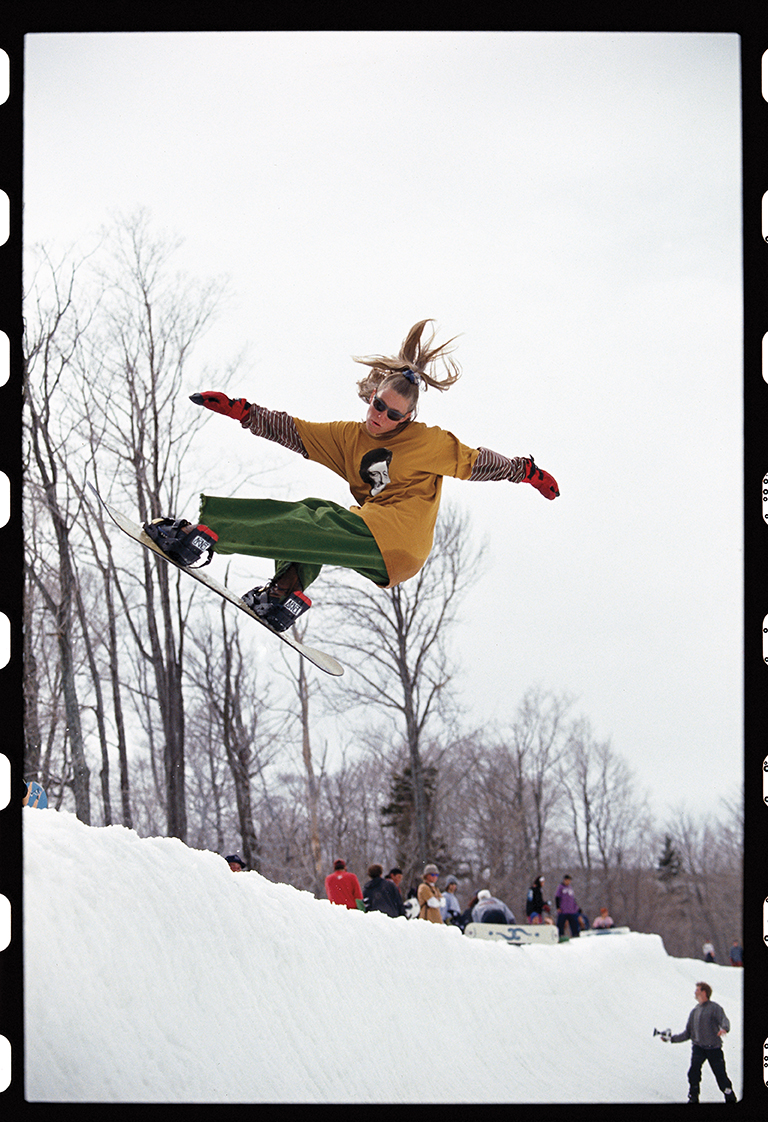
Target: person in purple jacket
<point>567,908</point>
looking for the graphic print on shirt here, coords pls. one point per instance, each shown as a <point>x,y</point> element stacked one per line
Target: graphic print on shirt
<point>374,469</point>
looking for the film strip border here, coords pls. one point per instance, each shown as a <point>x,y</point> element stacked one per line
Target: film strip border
<point>756,545</point>
<point>11,585</point>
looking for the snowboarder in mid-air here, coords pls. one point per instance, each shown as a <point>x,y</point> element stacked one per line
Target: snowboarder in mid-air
<point>393,464</point>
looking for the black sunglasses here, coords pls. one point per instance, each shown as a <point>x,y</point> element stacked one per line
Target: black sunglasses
<point>393,414</point>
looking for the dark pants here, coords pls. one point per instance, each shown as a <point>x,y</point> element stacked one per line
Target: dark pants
<point>716,1061</point>
<point>494,915</point>
<point>572,920</point>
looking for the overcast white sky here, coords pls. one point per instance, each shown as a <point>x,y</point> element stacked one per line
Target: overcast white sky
<point>571,204</point>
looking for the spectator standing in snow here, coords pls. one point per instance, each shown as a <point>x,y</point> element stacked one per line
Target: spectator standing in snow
<point>381,895</point>
<point>709,952</point>
<point>707,1025</point>
<point>603,920</point>
<point>342,887</point>
<point>449,909</point>
<point>567,908</point>
<point>236,863</point>
<point>489,909</point>
<point>736,953</point>
<point>429,895</point>
<point>411,905</point>
<point>395,876</point>
<point>534,902</point>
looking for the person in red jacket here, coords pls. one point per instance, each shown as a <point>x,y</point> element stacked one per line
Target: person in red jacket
<point>343,887</point>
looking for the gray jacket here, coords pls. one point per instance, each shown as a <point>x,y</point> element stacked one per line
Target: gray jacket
<point>704,1022</point>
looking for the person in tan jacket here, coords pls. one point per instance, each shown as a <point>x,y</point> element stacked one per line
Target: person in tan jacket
<point>429,895</point>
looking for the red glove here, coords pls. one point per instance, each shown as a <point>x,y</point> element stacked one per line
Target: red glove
<point>541,480</point>
<point>236,407</point>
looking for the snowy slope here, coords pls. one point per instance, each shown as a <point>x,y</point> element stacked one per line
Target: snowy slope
<point>154,974</point>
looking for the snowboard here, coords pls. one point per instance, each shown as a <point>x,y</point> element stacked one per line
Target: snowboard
<point>515,933</point>
<point>133,530</point>
<point>605,931</point>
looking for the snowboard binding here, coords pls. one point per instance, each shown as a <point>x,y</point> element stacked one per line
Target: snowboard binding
<point>181,541</point>
<point>276,609</point>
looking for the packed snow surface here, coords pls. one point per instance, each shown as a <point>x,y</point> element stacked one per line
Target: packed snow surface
<point>154,974</point>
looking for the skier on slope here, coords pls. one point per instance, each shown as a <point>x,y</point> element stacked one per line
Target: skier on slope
<point>394,467</point>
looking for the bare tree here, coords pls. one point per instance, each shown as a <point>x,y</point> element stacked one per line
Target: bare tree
<point>396,643</point>
<point>459,810</point>
<point>534,748</point>
<point>508,787</point>
<point>603,812</point>
<point>112,382</point>
<point>350,812</point>
<point>231,713</point>
<point>708,904</point>
<point>98,706</point>
<point>103,558</point>
<point>304,692</point>
<point>151,322</point>
<point>33,729</point>
<point>52,337</point>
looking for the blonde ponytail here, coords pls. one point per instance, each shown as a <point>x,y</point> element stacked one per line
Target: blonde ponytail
<point>412,368</point>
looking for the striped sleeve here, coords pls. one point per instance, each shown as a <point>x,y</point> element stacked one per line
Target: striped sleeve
<point>279,427</point>
<point>492,465</point>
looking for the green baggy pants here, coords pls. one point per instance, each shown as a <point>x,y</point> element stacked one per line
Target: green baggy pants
<point>308,534</point>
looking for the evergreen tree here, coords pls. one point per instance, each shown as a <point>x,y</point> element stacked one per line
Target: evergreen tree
<point>669,864</point>
<point>400,815</point>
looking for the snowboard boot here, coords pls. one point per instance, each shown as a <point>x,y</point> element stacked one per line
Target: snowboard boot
<point>181,541</point>
<point>730,1096</point>
<point>277,606</point>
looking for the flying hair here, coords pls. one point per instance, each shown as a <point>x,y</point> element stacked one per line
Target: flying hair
<point>416,357</point>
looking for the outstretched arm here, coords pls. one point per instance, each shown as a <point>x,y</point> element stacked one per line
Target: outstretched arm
<point>279,427</point>
<point>518,469</point>
<point>261,422</point>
